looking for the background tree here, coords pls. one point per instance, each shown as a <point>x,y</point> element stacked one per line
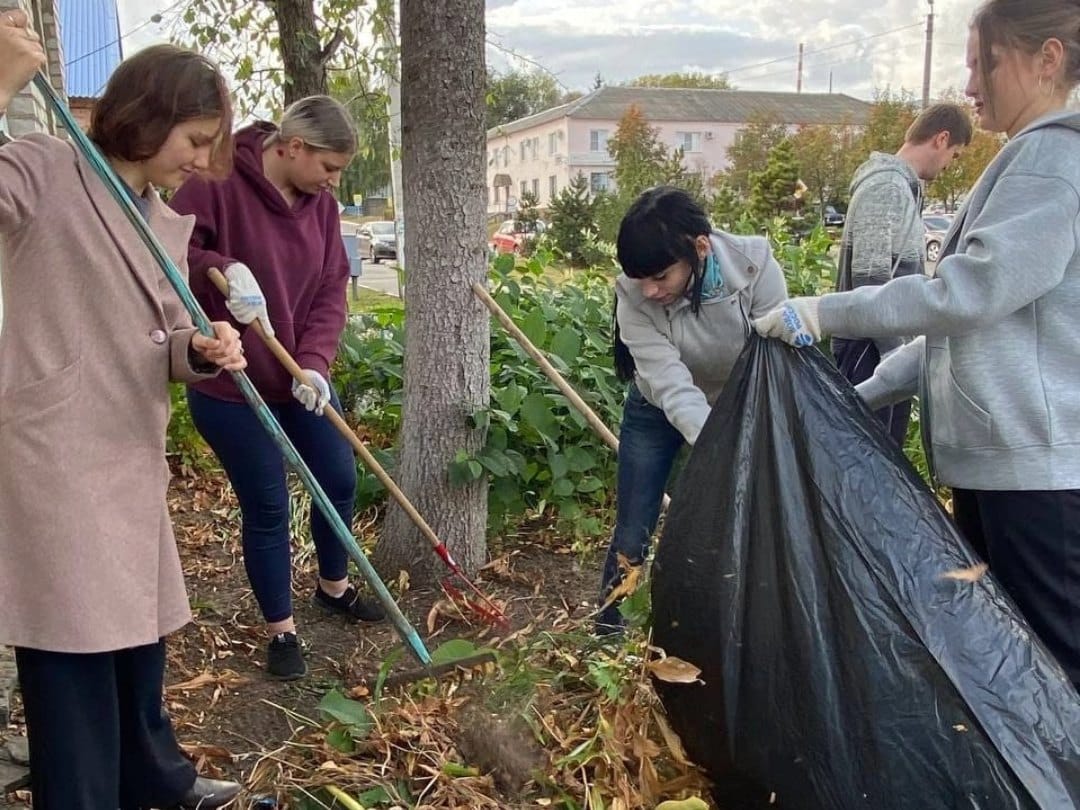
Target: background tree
<point>890,116</point>
<point>573,216</point>
<point>282,50</point>
<point>640,156</point>
<point>369,171</point>
<point>691,79</point>
<point>827,157</point>
<point>750,152</point>
<point>517,94</point>
<point>447,331</point>
<point>528,212</point>
<point>772,190</point>
<point>641,161</point>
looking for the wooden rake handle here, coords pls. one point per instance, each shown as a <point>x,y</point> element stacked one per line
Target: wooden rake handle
<point>551,372</point>
<point>336,419</point>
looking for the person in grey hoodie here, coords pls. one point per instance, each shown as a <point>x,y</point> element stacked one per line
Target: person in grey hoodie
<point>682,316</point>
<point>883,233</point>
<point>999,363</point>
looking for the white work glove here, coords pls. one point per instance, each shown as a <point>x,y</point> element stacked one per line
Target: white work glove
<point>795,321</point>
<point>312,398</point>
<point>246,300</point>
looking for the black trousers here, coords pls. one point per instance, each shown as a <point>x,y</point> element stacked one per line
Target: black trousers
<point>99,736</point>
<point>1031,540</point>
<point>856,360</point>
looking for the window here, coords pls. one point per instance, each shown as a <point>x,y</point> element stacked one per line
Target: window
<point>553,143</point>
<point>536,187</point>
<point>599,181</point>
<point>598,140</point>
<point>506,155</point>
<point>553,187</point>
<point>524,188</point>
<point>534,144</point>
<point>495,159</point>
<point>688,141</point>
<point>522,145</point>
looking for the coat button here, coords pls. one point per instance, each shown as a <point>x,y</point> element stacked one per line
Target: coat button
<point>158,336</point>
<point>751,269</point>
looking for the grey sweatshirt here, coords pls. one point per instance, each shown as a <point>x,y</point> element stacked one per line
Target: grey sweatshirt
<point>1000,362</point>
<point>683,359</point>
<point>883,233</point>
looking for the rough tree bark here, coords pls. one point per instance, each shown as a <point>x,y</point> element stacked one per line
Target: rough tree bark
<point>446,329</point>
<point>303,54</point>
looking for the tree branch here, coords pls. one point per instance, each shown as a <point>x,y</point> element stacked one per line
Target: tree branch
<point>335,41</point>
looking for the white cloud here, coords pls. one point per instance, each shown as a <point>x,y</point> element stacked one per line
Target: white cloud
<point>845,40</point>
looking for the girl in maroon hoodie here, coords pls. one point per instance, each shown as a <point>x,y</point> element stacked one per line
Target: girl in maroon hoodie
<point>273,228</point>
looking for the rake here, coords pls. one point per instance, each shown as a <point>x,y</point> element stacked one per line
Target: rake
<point>485,609</point>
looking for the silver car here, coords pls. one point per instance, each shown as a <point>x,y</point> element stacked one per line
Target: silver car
<point>378,240</point>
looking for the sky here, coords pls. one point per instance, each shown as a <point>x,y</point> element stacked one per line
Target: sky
<point>859,46</point>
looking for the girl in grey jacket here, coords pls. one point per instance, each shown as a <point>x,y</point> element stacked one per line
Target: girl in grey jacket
<point>683,309</point>
<point>999,363</point>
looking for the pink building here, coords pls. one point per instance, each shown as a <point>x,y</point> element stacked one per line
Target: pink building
<point>543,152</point>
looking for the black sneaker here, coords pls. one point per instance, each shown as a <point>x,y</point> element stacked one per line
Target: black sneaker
<point>349,605</point>
<point>284,658</point>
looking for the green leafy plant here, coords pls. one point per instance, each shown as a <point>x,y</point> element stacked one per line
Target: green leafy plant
<point>351,721</point>
<point>541,457</point>
<point>182,440</point>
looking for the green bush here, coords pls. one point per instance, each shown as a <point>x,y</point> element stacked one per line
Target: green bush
<point>541,457</point>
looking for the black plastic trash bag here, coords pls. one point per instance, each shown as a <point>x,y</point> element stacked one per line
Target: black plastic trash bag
<point>804,567</point>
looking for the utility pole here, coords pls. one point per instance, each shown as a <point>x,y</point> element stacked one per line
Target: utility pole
<point>798,80</point>
<point>929,56</point>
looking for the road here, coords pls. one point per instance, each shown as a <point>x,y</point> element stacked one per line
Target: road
<point>381,277</point>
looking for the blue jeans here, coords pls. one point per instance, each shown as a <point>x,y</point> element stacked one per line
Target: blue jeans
<point>257,472</point>
<point>648,445</point>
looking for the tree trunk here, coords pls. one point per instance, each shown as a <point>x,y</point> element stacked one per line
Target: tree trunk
<point>303,55</point>
<point>446,329</point>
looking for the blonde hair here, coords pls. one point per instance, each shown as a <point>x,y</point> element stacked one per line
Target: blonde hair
<point>320,122</point>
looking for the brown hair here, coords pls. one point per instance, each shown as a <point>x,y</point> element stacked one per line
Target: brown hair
<point>150,93</point>
<point>938,118</point>
<point>1025,26</point>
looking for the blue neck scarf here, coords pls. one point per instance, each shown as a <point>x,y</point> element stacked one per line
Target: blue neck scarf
<point>712,284</point>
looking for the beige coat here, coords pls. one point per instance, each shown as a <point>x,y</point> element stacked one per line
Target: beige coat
<point>92,335</point>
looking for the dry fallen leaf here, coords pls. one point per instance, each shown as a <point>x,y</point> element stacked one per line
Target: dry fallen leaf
<point>630,576</point>
<point>671,739</point>
<point>674,670</point>
<point>972,574</point>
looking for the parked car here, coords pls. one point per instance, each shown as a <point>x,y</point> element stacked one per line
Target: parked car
<point>938,222</point>
<point>512,235</point>
<point>378,240</point>
<point>935,238</point>
<point>832,218</point>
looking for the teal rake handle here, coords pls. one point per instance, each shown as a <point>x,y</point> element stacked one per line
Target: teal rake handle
<point>172,272</point>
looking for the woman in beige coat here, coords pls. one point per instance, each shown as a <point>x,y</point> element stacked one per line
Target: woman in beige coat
<point>90,578</point>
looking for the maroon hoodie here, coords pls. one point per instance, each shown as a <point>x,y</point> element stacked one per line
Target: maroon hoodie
<point>296,254</point>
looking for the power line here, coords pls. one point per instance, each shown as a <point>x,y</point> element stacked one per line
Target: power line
<point>807,69</point>
<point>822,50</point>
<point>154,18</point>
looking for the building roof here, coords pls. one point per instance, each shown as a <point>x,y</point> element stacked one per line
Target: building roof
<point>720,106</point>
<point>90,34</point>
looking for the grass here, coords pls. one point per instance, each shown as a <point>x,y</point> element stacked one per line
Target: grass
<point>372,300</point>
